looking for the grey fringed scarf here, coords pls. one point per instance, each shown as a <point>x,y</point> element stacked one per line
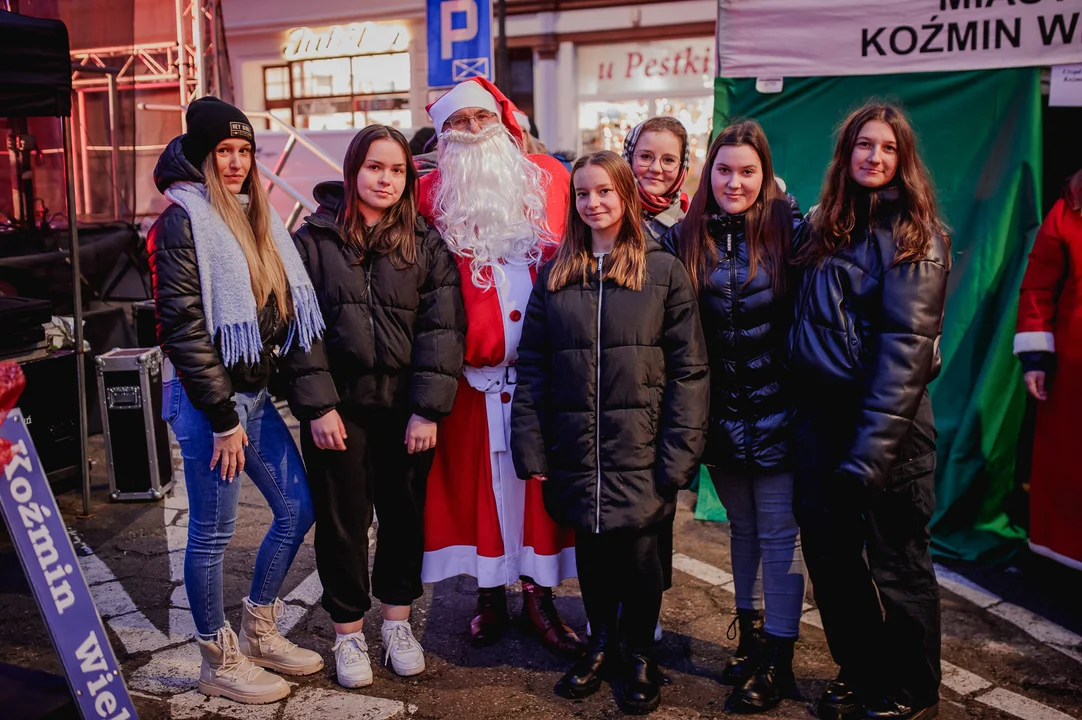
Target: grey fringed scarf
<point>228,302</point>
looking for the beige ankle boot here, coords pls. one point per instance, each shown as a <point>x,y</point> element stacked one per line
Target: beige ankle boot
<point>226,672</point>
<point>265,646</point>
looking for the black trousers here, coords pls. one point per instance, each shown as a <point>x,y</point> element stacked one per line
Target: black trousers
<point>881,615</point>
<point>621,567</point>
<point>373,471</point>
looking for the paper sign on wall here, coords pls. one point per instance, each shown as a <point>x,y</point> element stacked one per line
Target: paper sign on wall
<point>1065,88</point>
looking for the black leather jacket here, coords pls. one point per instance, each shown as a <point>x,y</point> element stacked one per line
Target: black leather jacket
<point>865,342</point>
<point>181,323</point>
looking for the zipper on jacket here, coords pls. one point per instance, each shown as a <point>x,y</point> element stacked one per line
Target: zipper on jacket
<point>597,392</point>
<point>368,298</point>
<point>733,301</point>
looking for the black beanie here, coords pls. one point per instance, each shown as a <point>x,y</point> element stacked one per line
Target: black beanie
<point>210,121</point>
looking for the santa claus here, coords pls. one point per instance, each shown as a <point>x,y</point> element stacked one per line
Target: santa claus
<point>501,213</point>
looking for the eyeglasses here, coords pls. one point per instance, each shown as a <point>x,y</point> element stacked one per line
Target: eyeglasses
<point>462,122</point>
<point>645,159</point>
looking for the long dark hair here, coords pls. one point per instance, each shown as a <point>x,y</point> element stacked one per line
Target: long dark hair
<point>768,222</point>
<point>574,259</point>
<point>918,221</point>
<point>393,235</point>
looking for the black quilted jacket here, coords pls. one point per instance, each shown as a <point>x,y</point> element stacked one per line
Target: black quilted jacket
<point>178,301</point>
<point>865,341</point>
<point>612,397</point>
<point>394,338</point>
<point>745,327</point>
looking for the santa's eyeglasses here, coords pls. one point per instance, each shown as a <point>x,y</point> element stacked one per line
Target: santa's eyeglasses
<point>462,122</point>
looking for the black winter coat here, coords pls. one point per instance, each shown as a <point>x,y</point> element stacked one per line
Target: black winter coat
<point>612,396</point>
<point>745,327</point>
<point>865,342</point>
<point>181,322</point>
<point>394,338</point>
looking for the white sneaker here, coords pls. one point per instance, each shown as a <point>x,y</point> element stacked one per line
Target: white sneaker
<point>351,661</point>
<point>402,650</point>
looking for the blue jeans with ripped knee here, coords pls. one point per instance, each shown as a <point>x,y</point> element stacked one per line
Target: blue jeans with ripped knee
<point>273,464</point>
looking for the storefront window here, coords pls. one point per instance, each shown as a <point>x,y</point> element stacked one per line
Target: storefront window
<point>341,93</point>
<point>605,124</point>
<point>381,73</point>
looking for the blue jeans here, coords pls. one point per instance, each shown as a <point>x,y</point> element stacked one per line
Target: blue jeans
<point>273,464</point>
<point>765,537</point>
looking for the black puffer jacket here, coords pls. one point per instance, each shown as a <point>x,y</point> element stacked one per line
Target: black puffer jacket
<point>182,325</point>
<point>394,338</point>
<point>746,328</point>
<point>865,341</point>
<point>612,396</point>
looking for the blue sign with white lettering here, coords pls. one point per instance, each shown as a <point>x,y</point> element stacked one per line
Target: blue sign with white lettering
<point>49,561</point>
<point>459,41</point>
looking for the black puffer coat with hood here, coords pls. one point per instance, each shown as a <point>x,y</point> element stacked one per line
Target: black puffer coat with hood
<point>395,337</point>
<point>612,397</point>
<point>181,322</point>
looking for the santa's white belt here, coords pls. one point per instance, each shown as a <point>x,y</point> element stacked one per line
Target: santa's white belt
<point>494,382</point>
<point>490,379</point>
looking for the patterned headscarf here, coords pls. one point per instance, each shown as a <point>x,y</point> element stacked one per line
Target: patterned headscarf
<point>654,204</point>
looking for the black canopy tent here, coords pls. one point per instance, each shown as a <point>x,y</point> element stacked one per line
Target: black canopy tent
<point>35,81</point>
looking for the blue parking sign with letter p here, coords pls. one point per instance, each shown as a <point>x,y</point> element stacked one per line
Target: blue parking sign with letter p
<point>459,41</point>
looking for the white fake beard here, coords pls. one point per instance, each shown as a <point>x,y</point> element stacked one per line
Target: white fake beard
<point>490,202</point>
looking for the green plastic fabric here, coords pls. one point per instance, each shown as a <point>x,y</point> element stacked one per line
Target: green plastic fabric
<point>708,505</point>
<point>980,134</point>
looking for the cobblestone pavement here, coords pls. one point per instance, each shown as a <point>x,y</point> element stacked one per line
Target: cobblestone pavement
<point>1001,659</point>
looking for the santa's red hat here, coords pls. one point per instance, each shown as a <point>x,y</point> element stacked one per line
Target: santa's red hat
<point>475,92</point>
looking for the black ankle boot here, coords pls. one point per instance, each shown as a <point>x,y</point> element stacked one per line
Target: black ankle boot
<point>771,682</point>
<point>742,664</point>
<point>584,677</point>
<point>642,694</point>
<point>839,701</point>
<point>893,709</point>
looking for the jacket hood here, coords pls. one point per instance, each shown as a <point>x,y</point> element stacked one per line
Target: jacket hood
<point>330,196</point>
<point>173,167</point>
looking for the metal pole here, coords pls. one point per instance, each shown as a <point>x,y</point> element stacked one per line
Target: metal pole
<point>502,79</point>
<point>84,151</point>
<point>182,63</point>
<point>77,309</point>
<point>290,144</point>
<point>114,136</point>
<point>199,45</point>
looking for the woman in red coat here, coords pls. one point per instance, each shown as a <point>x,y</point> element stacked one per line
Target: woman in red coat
<point>1049,344</point>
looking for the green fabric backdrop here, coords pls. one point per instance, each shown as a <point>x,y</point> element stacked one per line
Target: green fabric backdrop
<point>980,134</point>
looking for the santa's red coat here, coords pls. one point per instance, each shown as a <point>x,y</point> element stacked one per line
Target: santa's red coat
<point>480,519</point>
<point>1050,319</point>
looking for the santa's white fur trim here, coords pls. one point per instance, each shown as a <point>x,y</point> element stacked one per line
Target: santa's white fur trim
<point>1034,342</point>
<point>464,95</point>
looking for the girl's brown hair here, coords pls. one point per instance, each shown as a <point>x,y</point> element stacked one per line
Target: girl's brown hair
<point>251,228</point>
<point>768,222</point>
<point>393,235</point>
<point>665,123</point>
<point>574,258</point>
<point>833,222</point>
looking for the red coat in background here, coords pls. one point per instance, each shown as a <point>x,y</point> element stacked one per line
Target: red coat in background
<point>480,518</point>
<point>1050,320</point>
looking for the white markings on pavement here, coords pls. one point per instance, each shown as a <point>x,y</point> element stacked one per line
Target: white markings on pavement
<point>955,678</point>
<point>1053,635</point>
<point>1019,706</point>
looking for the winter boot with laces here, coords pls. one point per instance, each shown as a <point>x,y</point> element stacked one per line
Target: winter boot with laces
<point>742,664</point>
<point>261,641</point>
<point>227,672</point>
